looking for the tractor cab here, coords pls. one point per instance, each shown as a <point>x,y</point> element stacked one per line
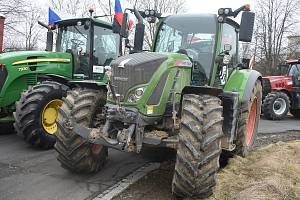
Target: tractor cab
<point>281,94</point>
<point>294,72</point>
<point>91,43</point>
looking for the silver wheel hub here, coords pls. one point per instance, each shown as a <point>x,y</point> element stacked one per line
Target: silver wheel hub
<point>279,106</point>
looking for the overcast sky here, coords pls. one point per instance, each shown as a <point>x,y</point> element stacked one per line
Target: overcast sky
<point>194,6</point>
<point>212,6</point>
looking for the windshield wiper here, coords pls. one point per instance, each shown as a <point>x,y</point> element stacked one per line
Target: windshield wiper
<point>80,32</point>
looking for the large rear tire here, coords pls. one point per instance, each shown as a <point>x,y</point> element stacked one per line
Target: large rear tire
<point>248,122</point>
<point>276,106</point>
<point>36,112</point>
<point>75,153</point>
<point>199,146</point>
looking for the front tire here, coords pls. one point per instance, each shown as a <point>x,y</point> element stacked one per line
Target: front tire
<point>76,154</point>
<point>199,146</point>
<point>36,112</point>
<point>276,106</point>
<point>248,122</point>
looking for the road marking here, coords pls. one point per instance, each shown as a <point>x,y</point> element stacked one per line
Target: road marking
<point>127,181</point>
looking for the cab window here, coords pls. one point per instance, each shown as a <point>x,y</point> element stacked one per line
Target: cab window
<point>229,37</point>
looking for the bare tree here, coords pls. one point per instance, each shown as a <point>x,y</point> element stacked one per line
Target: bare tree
<point>275,20</point>
<point>73,7</point>
<point>162,6</point>
<point>25,33</point>
<point>11,10</point>
<point>32,32</point>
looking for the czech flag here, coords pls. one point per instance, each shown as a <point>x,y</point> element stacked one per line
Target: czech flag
<point>120,6</point>
<point>52,17</point>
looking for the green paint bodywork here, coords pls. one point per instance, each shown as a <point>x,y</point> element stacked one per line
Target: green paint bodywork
<point>168,66</point>
<point>236,80</point>
<point>22,74</point>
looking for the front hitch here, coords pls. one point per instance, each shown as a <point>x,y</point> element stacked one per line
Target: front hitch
<point>100,136</point>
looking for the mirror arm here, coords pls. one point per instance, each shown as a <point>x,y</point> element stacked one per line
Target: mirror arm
<point>44,25</point>
<point>138,16</point>
<point>237,11</point>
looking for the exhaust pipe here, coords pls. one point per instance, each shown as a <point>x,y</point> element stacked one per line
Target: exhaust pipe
<point>2,19</point>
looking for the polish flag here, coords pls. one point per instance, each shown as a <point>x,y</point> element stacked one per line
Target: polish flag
<point>120,6</point>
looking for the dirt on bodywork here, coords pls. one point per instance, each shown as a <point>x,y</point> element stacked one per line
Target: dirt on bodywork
<point>269,173</point>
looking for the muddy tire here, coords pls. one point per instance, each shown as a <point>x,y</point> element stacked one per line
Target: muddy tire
<point>295,113</point>
<point>248,122</point>
<point>75,153</point>
<point>29,120</point>
<point>276,105</point>
<point>199,146</point>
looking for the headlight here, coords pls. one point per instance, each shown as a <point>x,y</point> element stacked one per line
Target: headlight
<point>135,95</point>
<point>147,12</point>
<point>139,92</point>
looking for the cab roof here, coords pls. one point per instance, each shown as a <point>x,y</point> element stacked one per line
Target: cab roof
<point>192,22</point>
<point>76,19</point>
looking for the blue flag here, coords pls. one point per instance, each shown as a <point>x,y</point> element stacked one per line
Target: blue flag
<point>52,17</point>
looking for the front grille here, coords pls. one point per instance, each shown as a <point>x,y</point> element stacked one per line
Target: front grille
<point>3,76</point>
<point>31,79</point>
<point>134,69</point>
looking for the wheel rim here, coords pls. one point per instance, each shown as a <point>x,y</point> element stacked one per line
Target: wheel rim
<point>49,115</point>
<point>251,122</point>
<point>279,106</point>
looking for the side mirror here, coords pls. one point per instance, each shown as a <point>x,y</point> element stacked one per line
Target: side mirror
<point>227,47</point>
<point>139,37</point>
<point>124,31</point>
<point>246,27</point>
<point>223,58</point>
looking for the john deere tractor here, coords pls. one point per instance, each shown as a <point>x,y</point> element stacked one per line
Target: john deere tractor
<point>190,94</point>
<point>33,83</point>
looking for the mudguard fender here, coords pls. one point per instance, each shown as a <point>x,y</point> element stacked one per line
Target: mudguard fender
<point>242,81</point>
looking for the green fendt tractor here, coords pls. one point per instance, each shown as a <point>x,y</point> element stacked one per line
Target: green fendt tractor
<point>190,94</point>
<point>32,83</point>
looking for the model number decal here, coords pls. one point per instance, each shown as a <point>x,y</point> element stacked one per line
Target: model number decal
<point>20,69</point>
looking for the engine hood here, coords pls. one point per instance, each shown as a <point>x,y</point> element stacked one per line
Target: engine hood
<point>25,57</point>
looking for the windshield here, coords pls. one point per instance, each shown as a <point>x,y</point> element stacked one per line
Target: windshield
<point>106,45</point>
<point>194,34</point>
<point>75,39</point>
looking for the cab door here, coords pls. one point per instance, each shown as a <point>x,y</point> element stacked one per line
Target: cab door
<point>229,45</point>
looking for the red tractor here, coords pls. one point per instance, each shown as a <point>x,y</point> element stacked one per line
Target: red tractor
<point>281,94</point>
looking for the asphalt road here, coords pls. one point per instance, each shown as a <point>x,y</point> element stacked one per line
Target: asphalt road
<point>29,174</point>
